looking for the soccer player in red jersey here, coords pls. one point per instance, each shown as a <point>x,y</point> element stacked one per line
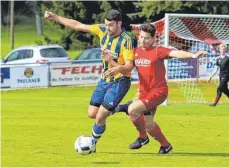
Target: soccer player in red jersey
<point>149,62</point>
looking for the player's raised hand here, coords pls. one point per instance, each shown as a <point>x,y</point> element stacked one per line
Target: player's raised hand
<point>106,55</point>
<point>49,15</point>
<point>199,53</point>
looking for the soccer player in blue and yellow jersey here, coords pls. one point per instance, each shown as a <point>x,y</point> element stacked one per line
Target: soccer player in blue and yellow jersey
<point>110,90</point>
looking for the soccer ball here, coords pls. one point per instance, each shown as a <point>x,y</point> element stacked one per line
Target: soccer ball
<point>85,145</point>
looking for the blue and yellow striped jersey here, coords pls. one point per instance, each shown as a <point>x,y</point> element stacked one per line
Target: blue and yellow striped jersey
<point>120,47</point>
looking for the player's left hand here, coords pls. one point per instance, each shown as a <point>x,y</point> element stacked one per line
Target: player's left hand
<point>112,72</point>
<point>199,53</point>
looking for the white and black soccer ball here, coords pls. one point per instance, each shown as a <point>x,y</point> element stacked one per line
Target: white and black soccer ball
<point>85,145</point>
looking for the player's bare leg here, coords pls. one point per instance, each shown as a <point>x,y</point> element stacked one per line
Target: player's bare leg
<point>92,111</point>
<point>135,111</point>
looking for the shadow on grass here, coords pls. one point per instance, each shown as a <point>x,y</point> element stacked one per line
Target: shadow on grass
<point>105,162</point>
<point>199,154</point>
<point>171,154</point>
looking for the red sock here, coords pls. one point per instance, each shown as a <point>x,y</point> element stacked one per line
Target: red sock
<point>217,99</point>
<point>156,133</point>
<point>140,126</point>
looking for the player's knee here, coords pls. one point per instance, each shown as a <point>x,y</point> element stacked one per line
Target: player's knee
<point>91,114</point>
<point>92,111</point>
<point>132,110</point>
<point>219,90</point>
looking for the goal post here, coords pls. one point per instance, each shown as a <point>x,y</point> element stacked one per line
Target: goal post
<point>187,78</point>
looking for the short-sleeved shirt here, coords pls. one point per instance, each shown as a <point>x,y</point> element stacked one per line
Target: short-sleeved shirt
<point>120,47</point>
<point>150,67</point>
<point>223,64</point>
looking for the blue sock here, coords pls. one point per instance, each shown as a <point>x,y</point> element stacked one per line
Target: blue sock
<point>98,131</point>
<point>123,107</point>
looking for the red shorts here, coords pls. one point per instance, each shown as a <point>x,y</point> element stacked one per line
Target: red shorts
<point>153,98</point>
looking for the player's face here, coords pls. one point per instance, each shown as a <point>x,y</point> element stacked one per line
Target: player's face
<point>222,49</point>
<point>146,40</point>
<point>113,27</point>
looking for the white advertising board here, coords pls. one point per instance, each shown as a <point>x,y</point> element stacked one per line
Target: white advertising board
<point>29,76</point>
<point>207,66</point>
<point>76,74</point>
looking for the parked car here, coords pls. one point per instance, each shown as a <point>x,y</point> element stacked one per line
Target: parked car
<point>37,54</point>
<point>90,54</point>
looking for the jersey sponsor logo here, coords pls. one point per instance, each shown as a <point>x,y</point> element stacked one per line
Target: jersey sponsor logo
<point>142,62</point>
<point>113,54</point>
<point>111,103</point>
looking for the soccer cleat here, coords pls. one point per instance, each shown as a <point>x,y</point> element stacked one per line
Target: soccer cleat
<point>165,150</point>
<point>139,143</point>
<point>94,150</point>
<point>212,105</point>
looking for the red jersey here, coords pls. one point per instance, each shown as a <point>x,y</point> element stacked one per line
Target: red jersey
<point>150,66</point>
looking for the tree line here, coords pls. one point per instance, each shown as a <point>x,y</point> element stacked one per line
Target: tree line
<point>89,12</point>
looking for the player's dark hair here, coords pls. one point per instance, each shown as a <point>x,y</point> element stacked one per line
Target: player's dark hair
<point>113,15</point>
<point>149,28</point>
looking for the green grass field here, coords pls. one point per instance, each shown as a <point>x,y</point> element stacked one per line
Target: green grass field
<point>39,127</point>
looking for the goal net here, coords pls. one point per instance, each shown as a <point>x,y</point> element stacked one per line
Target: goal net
<point>187,78</point>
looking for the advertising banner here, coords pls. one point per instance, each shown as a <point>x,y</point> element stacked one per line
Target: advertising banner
<point>29,76</point>
<point>187,68</point>
<point>206,67</point>
<point>5,77</point>
<point>182,69</point>
<point>76,74</point>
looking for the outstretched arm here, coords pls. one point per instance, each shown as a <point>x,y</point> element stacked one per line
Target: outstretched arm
<point>183,54</point>
<point>213,74</point>
<point>73,24</point>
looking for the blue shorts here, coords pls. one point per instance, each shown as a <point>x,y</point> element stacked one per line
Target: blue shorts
<point>110,94</point>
